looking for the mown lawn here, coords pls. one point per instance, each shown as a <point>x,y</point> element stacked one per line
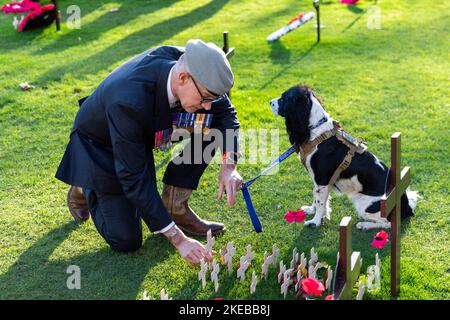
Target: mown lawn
<point>375,82</point>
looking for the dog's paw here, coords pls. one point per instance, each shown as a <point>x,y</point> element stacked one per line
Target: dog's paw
<point>309,209</point>
<point>312,223</point>
<point>361,226</point>
<point>364,226</point>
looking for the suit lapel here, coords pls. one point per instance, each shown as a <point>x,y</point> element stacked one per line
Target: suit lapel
<point>162,113</point>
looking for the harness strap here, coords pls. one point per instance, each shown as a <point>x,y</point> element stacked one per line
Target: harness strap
<point>358,144</point>
<point>307,148</point>
<point>354,145</point>
<point>343,166</point>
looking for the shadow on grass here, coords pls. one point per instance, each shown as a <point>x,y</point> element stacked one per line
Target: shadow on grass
<point>290,65</point>
<point>17,40</point>
<point>12,40</point>
<point>92,31</point>
<point>105,274</point>
<point>134,44</point>
<point>355,9</point>
<point>287,12</point>
<point>279,54</point>
<point>351,24</point>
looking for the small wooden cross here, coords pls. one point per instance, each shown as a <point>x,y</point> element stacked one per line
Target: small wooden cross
<point>214,274</point>
<point>303,262</point>
<point>390,206</point>
<point>164,295</point>
<point>202,272</point>
<point>377,272</point>
<point>329,278</point>
<point>249,255</point>
<point>274,256</point>
<point>282,271</point>
<point>314,258</point>
<point>361,290</point>
<point>254,282</point>
<point>209,242</point>
<point>349,263</point>
<point>243,266</point>
<point>286,282</point>
<point>299,280</point>
<point>228,258</point>
<point>294,258</point>
<point>265,265</point>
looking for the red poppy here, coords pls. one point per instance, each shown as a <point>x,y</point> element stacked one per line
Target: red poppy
<point>34,14</point>
<point>217,298</point>
<point>329,297</point>
<point>282,278</point>
<point>312,287</point>
<point>297,216</point>
<point>300,15</point>
<point>380,240</point>
<point>19,7</point>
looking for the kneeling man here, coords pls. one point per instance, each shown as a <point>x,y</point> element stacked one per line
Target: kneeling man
<point>109,159</point>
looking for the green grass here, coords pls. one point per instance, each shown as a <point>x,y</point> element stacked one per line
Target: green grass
<point>375,82</point>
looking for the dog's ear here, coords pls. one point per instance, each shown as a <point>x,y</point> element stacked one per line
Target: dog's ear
<point>297,111</point>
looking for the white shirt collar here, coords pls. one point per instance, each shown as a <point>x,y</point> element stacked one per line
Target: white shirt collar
<point>170,96</point>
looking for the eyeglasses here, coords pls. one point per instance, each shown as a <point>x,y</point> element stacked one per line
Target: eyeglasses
<point>204,99</point>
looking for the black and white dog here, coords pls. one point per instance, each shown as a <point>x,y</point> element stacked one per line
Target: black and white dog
<point>364,181</point>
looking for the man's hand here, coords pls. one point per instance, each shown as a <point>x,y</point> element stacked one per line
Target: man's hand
<point>231,181</point>
<point>191,250</point>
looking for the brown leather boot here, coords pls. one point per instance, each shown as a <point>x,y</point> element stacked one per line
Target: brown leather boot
<point>175,199</point>
<point>77,205</point>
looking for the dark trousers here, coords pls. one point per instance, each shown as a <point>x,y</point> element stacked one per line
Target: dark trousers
<point>117,219</point>
<point>188,175</point>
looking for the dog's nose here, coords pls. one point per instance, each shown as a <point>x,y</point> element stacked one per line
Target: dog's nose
<point>274,106</point>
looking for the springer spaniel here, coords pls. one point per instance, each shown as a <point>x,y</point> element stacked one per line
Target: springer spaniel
<point>364,181</point>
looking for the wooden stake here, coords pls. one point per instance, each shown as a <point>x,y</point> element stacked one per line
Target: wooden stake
<point>391,206</point>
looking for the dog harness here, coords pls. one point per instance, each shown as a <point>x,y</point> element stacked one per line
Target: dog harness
<point>354,145</point>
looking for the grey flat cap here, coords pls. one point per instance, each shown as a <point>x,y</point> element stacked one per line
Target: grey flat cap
<point>208,64</point>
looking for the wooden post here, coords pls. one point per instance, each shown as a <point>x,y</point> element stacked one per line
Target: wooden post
<point>229,52</point>
<point>348,265</point>
<point>58,16</point>
<point>391,206</point>
<point>316,5</point>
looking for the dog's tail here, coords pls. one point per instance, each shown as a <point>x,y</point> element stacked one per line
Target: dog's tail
<point>409,203</point>
<point>413,198</point>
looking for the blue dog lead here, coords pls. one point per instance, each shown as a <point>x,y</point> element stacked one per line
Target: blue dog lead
<point>248,200</point>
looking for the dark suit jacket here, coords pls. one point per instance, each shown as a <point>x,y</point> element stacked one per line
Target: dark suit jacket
<point>111,143</point>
